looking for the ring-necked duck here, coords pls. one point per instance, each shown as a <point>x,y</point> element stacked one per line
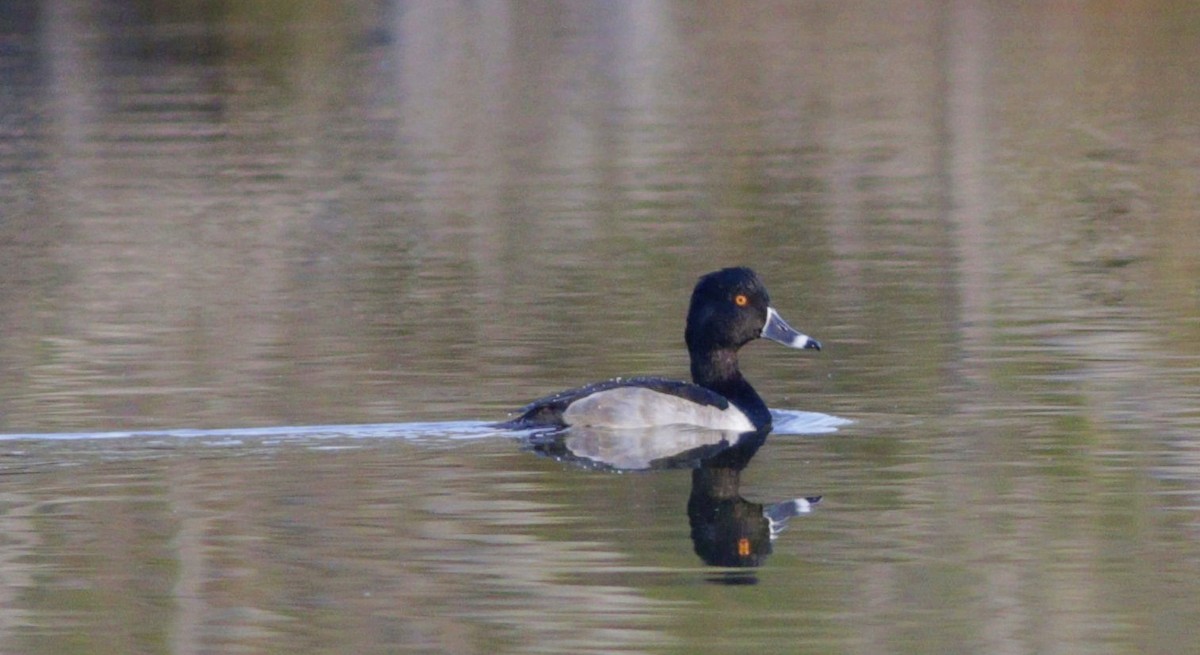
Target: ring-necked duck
<point>729,309</point>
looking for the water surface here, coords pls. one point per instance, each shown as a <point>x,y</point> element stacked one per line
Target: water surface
<point>391,223</point>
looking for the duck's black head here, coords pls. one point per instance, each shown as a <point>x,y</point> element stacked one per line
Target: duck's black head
<point>731,308</point>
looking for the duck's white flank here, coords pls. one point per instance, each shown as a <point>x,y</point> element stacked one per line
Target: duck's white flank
<point>638,407</point>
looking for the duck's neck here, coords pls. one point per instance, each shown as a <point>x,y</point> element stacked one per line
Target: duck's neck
<point>718,370</point>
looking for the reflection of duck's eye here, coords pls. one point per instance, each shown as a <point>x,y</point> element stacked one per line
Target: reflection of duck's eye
<point>743,544</point>
<point>740,300</point>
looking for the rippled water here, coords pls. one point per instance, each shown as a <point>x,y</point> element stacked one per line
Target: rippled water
<point>268,273</point>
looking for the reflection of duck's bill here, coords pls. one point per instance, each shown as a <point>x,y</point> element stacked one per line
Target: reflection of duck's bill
<point>778,330</point>
<point>779,513</point>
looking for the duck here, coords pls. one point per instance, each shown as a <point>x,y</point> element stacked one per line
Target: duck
<point>729,308</point>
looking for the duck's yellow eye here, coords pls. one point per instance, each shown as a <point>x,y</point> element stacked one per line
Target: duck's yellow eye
<point>741,300</point>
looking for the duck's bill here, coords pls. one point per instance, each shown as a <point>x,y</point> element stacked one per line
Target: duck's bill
<point>777,329</point>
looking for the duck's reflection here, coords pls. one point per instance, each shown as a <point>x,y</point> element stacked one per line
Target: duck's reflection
<point>727,530</point>
<point>663,447</point>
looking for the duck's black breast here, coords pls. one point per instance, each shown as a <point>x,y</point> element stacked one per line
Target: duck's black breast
<point>633,403</point>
